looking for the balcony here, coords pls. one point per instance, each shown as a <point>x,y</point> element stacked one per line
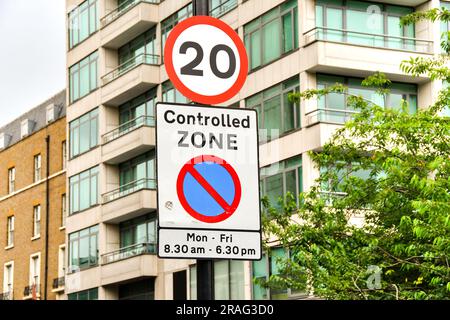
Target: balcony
<point>330,116</point>
<point>58,284</point>
<point>128,21</point>
<point>129,263</point>
<point>359,54</point>
<point>137,198</point>
<point>130,79</point>
<point>129,252</point>
<point>223,8</point>
<point>32,292</point>
<point>128,140</point>
<point>8,295</point>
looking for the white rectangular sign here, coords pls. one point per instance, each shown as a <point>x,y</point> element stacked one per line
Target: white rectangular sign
<point>192,244</point>
<point>208,173</point>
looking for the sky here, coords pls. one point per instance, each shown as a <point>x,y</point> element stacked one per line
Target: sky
<point>32,54</point>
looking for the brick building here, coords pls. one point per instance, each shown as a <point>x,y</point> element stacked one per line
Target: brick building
<point>32,203</point>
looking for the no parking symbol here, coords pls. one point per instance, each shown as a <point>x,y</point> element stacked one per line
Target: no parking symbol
<point>209,189</point>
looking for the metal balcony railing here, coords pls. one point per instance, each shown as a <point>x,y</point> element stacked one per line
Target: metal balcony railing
<point>368,39</point>
<point>8,295</point>
<point>28,291</point>
<point>127,127</point>
<point>223,8</point>
<point>129,188</point>
<point>121,10</point>
<point>149,59</point>
<point>333,116</point>
<point>59,282</point>
<point>128,252</point>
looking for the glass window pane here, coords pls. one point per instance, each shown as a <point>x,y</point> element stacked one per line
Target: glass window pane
<point>84,194</point>
<point>272,117</point>
<point>274,188</point>
<point>255,52</point>
<point>236,280</point>
<point>94,132</point>
<point>259,272</point>
<point>291,183</point>
<point>272,49</point>
<point>221,289</point>
<point>288,44</point>
<point>94,190</point>
<point>84,252</point>
<point>84,80</point>
<point>334,21</point>
<point>93,250</point>
<point>84,136</point>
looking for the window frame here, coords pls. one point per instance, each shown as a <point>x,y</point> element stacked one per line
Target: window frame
<point>11,180</point>
<point>94,172</point>
<point>10,226</point>
<point>75,14</point>
<point>92,117</point>
<point>293,11</point>
<point>8,277</point>
<point>36,222</point>
<point>64,154</point>
<point>92,232</point>
<point>75,76</point>
<point>35,260</point>
<point>170,22</point>
<point>37,161</point>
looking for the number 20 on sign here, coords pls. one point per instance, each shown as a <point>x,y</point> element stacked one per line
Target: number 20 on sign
<point>206,60</point>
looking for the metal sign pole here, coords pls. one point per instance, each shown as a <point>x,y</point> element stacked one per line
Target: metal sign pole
<point>205,267</point>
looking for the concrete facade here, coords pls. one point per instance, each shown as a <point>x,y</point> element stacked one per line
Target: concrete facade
<point>312,57</point>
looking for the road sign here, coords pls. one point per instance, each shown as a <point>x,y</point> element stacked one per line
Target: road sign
<point>204,155</point>
<point>206,60</point>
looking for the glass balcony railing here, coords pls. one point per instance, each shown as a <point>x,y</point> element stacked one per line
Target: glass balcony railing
<point>128,252</point>
<point>368,39</point>
<point>129,188</point>
<point>332,116</point>
<point>223,8</point>
<point>123,129</point>
<point>149,59</point>
<point>121,10</point>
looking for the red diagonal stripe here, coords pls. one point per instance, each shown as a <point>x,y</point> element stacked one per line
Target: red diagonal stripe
<point>212,192</point>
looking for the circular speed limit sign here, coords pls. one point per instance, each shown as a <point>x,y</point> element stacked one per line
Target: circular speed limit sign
<point>206,60</point>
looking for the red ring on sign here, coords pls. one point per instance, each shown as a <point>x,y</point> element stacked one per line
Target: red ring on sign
<point>196,97</point>
<point>237,189</point>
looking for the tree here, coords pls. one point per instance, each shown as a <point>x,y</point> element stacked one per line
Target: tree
<point>391,168</point>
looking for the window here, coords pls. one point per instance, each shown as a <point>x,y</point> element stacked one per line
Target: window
<point>62,261</point>
<point>35,270</point>
<point>272,35</point>
<point>11,180</point>
<point>264,268</point>
<point>336,184</point>
<point>83,133</point>
<point>83,77</point>
<point>137,231</point>
<point>276,114</point>
<point>83,249</point>
<point>91,294</point>
<point>10,231</point>
<point>37,168</point>
<point>228,280</point>
<point>445,25</point>
<point>83,189</point>
<point>36,221</point>
<point>168,24</point>
<point>365,23</point>
<point>141,106</point>
<point>64,154</point>
<point>143,46</point>
<point>280,178</point>
<point>220,7</point>
<point>334,108</point>
<point>138,290</point>
<point>140,169</point>
<point>170,94</point>
<point>8,279</point>
<point>63,210</point>
<point>83,21</point>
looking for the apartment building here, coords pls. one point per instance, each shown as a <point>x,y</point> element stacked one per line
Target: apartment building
<point>33,203</point>
<point>116,74</point>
